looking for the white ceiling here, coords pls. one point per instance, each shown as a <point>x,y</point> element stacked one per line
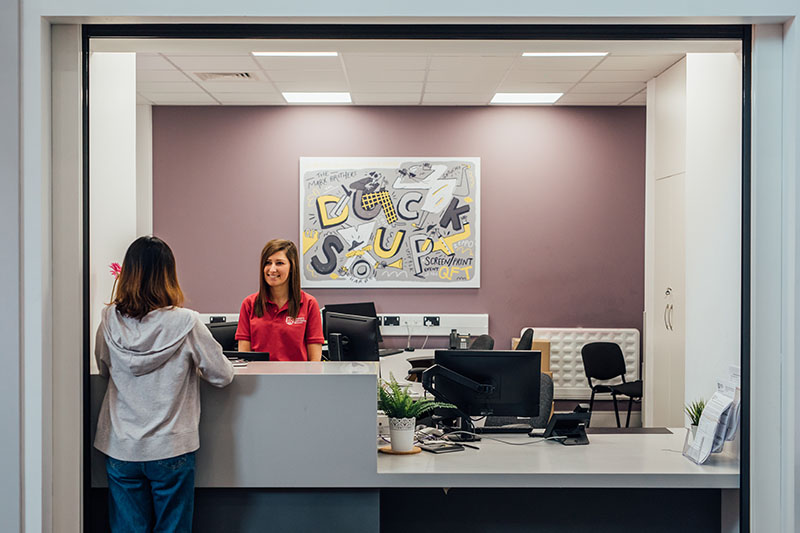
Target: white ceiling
<point>399,72</point>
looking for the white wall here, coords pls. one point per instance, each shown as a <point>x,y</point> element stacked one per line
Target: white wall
<point>144,170</point>
<point>713,219</point>
<point>768,112</point>
<point>112,165</point>
<point>10,386</point>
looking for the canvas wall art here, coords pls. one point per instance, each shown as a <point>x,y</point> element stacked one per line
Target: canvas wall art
<point>390,221</point>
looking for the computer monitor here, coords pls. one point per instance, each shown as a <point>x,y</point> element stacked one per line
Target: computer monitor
<point>224,333</point>
<point>352,337</point>
<point>359,309</point>
<point>486,382</point>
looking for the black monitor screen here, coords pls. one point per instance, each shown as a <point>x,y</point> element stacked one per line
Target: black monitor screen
<point>359,340</point>
<point>514,376</point>
<point>224,333</point>
<point>360,309</point>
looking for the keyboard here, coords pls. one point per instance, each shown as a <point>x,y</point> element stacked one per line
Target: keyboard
<point>509,428</point>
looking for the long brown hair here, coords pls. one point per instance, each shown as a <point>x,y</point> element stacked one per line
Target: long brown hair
<point>148,279</point>
<point>288,247</point>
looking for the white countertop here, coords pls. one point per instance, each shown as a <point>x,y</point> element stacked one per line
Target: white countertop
<point>610,460</point>
<point>304,368</point>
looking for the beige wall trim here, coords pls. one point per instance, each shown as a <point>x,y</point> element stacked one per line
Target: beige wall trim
<point>67,396</point>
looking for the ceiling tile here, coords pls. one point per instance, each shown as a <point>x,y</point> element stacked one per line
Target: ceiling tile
<point>652,62</point>
<point>152,62</point>
<point>470,63</point>
<point>312,86</point>
<point>160,75</point>
<point>239,87</point>
<point>591,99</point>
<point>250,99</point>
<point>384,62</point>
<point>618,75</point>
<point>460,88</point>
<point>601,88</point>
<point>386,87</point>
<point>180,98</point>
<point>168,87</point>
<point>307,75</point>
<point>243,62</point>
<point>547,76</point>
<point>557,63</point>
<point>385,98</point>
<point>467,75</point>
<point>456,99</point>
<point>385,75</point>
<point>637,99</point>
<point>533,87</point>
<point>141,100</point>
<point>298,63</point>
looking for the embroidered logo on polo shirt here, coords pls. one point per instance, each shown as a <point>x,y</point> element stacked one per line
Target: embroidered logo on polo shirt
<point>299,320</point>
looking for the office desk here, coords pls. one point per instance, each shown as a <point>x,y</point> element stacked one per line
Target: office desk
<point>284,438</point>
<point>610,461</point>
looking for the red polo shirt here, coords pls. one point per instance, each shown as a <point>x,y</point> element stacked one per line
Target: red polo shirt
<point>284,337</point>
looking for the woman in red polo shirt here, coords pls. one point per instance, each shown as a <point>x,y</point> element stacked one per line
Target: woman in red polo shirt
<point>280,318</point>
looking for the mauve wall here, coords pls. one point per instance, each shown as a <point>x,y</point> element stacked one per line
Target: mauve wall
<point>562,192</point>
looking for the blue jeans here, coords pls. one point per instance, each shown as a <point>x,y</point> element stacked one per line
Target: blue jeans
<point>146,496</point>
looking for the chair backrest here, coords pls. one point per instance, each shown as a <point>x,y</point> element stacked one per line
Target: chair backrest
<point>545,402</point>
<point>603,360</point>
<point>482,342</point>
<point>545,408</point>
<point>526,341</point>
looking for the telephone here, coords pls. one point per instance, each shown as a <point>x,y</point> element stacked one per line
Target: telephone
<point>457,341</point>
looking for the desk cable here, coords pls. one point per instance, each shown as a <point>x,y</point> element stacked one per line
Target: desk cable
<point>484,436</point>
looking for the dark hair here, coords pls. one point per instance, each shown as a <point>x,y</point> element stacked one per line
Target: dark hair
<point>148,279</point>
<point>289,248</point>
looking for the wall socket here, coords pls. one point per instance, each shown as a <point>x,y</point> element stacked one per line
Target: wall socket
<point>439,324</point>
<point>429,321</point>
<point>391,320</point>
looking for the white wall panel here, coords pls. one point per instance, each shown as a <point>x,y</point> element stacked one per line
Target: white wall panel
<point>112,167</point>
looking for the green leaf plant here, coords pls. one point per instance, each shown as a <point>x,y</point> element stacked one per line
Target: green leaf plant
<point>695,410</point>
<point>396,401</point>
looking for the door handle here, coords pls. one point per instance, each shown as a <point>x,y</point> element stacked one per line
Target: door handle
<point>669,316</point>
<point>666,311</point>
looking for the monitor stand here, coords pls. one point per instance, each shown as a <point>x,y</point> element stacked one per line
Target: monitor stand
<point>465,425</point>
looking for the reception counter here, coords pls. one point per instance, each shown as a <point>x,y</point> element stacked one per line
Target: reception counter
<point>286,434</point>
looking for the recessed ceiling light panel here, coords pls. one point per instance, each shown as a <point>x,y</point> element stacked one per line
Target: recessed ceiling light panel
<point>295,54</point>
<point>317,98</point>
<point>564,54</point>
<point>525,98</point>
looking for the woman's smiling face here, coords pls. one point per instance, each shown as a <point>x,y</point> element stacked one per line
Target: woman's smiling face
<point>277,269</point>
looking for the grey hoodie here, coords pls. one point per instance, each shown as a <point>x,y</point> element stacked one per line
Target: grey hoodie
<point>151,409</point>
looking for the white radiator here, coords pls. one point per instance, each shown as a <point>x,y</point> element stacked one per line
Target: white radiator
<point>569,380</point>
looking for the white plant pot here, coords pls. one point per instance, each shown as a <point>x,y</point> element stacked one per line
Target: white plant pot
<point>401,433</point>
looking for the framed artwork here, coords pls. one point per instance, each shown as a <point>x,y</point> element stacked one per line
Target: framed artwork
<point>390,221</point>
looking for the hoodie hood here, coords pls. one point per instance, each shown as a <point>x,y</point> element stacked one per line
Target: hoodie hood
<point>144,345</point>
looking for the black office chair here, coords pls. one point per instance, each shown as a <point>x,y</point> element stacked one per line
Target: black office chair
<point>545,408</point>
<point>482,342</point>
<point>526,341</point>
<point>604,360</point>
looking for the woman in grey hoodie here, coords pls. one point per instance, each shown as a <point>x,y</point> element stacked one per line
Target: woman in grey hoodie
<point>153,352</point>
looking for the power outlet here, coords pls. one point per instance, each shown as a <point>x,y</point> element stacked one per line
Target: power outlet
<point>393,320</point>
<point>430,321</point>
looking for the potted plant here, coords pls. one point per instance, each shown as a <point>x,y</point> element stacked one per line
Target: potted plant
<point>695,411</point>
<point>402,411</point>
